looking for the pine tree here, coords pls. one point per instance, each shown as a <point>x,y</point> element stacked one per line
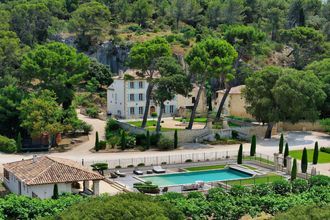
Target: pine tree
<point>55,192</point>
<point>294,170</point>
<point>19,142</point>
<point>97,142</point>
<point>304,161</point>
<point>281,144</point>
<point>148,140</point>
<point>240,155</point>
<point>286,153</point>
<point>175,139</point>
<point>123,140</point>
<point>253,145</point>
<point>316,153</point>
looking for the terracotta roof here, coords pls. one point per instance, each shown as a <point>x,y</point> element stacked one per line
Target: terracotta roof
<point>136,74</point>
<point>234,90</point>
<point>46,170</point>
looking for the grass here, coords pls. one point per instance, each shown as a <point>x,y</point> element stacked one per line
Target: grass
<point>202,168</point>
<point>269,178</point>
<point>150,125</point>
<point>199,120</point>
<point>261,159</point>
<point>323,157</point>
<point>231,124</point>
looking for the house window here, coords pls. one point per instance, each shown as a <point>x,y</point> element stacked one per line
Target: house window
<point>131,85</point>
<point>140,97</point>
<point>193,99</point>
<point>131,97</point>
<point>131,111</point>
<point>171,108</point>
<point>140,84</point>
<point>140,110</point>
<point>6,174</point>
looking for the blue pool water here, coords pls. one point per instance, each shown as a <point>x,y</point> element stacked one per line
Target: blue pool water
<point>192,177</point>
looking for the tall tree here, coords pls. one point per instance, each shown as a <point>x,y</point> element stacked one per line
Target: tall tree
<point>307,45</point>
<point>173,81</point>
<point>31,21</point>
<point>296,15</point>
<point>304,161</point>
<point>240,154</point>
<point>244,39</point>
<point>90,22</point>
<point>144,56</point>
<point>253,145</point>
<point>322,71</point>
<point>209,58</point>
<point>316,153</point>
<point>280,94</point>
<point>40,113</point>
<point>100,73</point>
<point>97,142</point>
<point>281,144</point>
<point>252,11</point>
<point>57,67</point>
<point>142,11</point>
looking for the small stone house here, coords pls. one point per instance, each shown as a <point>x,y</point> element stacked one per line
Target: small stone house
<point>36,177</point>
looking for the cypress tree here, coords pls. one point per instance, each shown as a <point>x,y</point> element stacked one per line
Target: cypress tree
<point>148,140</point>
<point>175,139</point>
<point>55,192</point>
<point>281,144</point>
<point>316,153</point>
<point>286,153</point>
<point>19,142</point>
<point>253,145</point>
<point>123,140</point>
<point>294,170</point>
<point>97,142</point>
<point>304,161</point>
<point>240,155</point>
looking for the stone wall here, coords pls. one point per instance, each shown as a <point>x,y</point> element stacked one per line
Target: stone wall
<point>131,129</point>
<point>188,136</point>
<point>300,126</point>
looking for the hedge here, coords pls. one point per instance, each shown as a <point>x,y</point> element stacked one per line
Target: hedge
<point>7,145</point>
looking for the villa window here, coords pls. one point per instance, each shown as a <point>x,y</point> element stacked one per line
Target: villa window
<point>131,97</point>
<point>131,85</point>
<point>140,110</point>
<point>140,97</point>
<point>131,111</point>
<point>140,84</point>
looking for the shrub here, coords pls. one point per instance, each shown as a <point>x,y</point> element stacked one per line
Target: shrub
<point>154,139</point>
<point>234,134</point>
<point>141,165</point>
<point>134,28</point>
<point>217,136</point>
<point>238,190</point>
<point>7,145</point>
<point>163,163</point>
<point>148,141</point>
<point>102,145</point>
<point>118,167</point>
<point>100,167</point>
<point>165,144</point>
<point>304,161</point>
<point>86,128</point>
<point>325,150</point>
<point>140,139</point>
<point>114,141</point>
<point>281,187</point>
<point>130,166</point>
<point>188,161</point>
<point>262,189</point>
<point>294,170</point>
<point>315,212</point>
<point>240,154</point>
<point>123,140</point>
<point>316,153</point>
<point>92,112</point>
<point>299,185</point>
<point>286,154</point>
<point>319,180</point>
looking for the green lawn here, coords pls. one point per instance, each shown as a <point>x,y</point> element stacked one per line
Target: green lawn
<point>200,120</point>
<point>323,157</point>
<point>202,168</point>
<point>271,177</point>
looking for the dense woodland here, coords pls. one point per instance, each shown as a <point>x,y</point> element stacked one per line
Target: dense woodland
<point>279,49</point>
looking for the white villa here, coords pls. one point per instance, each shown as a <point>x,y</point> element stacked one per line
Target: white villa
<point>36,177</point>
<point>126,98</point>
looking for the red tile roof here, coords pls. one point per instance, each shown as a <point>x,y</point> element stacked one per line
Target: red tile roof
<point>47,170</point>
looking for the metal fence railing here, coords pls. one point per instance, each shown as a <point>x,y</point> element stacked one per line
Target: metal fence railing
<point>180,159</point>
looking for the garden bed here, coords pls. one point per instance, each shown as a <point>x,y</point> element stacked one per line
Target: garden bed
<point>323,157</point>
<point>269,178</point>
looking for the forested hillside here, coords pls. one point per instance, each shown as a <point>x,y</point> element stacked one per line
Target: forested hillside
<point>46,48</point>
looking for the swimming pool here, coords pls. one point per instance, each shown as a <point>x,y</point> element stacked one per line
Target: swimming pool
<point>192,177</point>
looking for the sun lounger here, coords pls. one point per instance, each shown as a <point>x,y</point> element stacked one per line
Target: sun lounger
<point>120,173</point>
<point>190,187</point>
<point>158,169</point>
<point>138,172</point>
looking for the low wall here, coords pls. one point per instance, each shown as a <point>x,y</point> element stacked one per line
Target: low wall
<point>259,131</point>
<point>300,126</point>
<point>131,129</point>
<point>187,136</point>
